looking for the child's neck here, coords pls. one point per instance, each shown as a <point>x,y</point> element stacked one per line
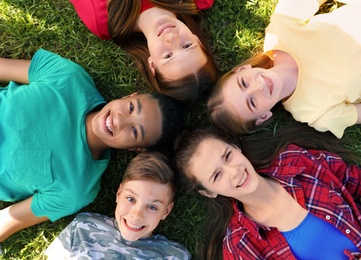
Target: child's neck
<point>262,198</point>
<point>286,65</point>
<point>146,19</point>
<point>275,207</point>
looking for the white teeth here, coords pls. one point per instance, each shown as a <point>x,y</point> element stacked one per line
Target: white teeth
<point>134,226</point>
<point>243,179</point>
<point>107,123</point>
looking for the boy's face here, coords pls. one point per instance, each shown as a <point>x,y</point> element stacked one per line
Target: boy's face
<point>130,122</point>
<point>141,205</point>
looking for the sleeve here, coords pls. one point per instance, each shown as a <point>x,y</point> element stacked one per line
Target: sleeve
<point>46,64</point>
<point>204,4</point>
<point>94,15</point>
<point>336,119</point>
<point>349,175</point>
<point>299,9</point>
<point>55,205</point>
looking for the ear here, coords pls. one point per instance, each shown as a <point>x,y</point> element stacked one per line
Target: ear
<point>168,210</point>
<point>151,65</point>
<point>118,193</point>
<point>264,118</point>
<point>207,194</point>
<point>130,95</point>
<point>239,68</point>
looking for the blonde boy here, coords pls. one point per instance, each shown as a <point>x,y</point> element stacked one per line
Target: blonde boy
<point>144,198</point>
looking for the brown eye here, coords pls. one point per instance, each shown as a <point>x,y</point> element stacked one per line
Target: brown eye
<point>168,55</point>
<point>216,176</point>
<point>135,132</point>
<point>228,155</point>
<point>131,107</point>
<point>244,83</point>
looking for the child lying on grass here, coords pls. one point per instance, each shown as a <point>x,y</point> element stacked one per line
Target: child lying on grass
<point>55,134</point>
<point>144,198</point>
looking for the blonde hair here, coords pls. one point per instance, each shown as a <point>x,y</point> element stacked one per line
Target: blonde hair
<point>152,166</point>
<point>220,113</point>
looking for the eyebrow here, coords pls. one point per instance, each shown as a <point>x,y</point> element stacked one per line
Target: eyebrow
<point>136,195</point>
<point>223,156</point>
<point>139,111</point>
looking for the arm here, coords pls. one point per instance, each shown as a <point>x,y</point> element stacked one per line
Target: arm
<point>14,70</point>
<point>17,217</point>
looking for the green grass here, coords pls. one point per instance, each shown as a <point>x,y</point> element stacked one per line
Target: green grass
<point>235,30</point>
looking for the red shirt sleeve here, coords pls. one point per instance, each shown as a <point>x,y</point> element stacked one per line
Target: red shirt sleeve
<point>94,14</point>
<point>204,4</point>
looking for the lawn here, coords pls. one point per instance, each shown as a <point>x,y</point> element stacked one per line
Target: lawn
<point>235,30</point>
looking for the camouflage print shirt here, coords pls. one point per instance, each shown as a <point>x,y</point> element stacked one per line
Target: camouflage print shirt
<point>95,236</point>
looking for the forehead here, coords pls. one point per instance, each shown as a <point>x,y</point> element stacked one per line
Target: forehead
<point>207,153</point>
<point>149,189</point>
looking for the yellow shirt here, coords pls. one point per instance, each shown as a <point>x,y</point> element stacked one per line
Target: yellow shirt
<point>327,49</point>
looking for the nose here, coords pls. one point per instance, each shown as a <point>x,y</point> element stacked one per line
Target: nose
<point>172,37</point>
<point>137,212</point>
<point>120,120</point>
<point>232,171</point>
<point>260,86</point>
<point>256,88</point>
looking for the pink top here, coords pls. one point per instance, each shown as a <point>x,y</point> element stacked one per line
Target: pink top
<point>94,14</point>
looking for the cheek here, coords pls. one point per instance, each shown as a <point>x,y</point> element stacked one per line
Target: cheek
<point>122,141</point>
<point>155,219</point>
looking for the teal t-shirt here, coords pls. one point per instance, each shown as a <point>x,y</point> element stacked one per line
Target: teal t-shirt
<point>43,147</point>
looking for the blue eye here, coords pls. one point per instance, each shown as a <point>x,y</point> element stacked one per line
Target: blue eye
<point>130,199</point>
<point>154,208</point>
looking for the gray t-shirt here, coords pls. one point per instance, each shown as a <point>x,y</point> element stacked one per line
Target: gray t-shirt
<point>95,236</point>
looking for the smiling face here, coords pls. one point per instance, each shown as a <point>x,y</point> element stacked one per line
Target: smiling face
<point>250,93</point>
<point>222,169</point>
<point>174,50</point>
<point>141,205</point>
<point>130,122</point>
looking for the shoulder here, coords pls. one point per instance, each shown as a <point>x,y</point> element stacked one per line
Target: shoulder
<point>45,64</point>
<point>92,218</point>
<point>299,9</point>
<point>169,247</point>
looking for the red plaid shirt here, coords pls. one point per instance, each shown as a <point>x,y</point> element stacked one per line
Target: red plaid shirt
<point>322,183</point>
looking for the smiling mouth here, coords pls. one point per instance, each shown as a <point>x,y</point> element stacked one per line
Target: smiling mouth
<point>133,227</point>
<point>108,125</point>
<point>243,180</point>
<point>269,84</point>
<point>165,28</point>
